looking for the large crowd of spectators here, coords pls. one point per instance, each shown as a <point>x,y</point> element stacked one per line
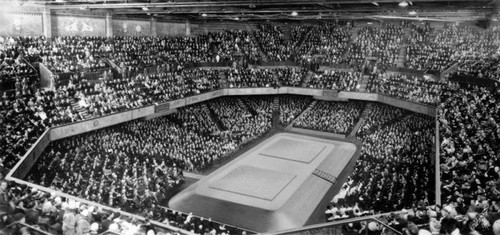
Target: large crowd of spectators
<point>75,54</point>
<point>470,137</point>
<point>382,42</point>
<point>130,166</point>
<point>328,41</point>
<point>422,219</point>
<point>334,117</point>
<point>409,87</point>
<point>273,42</point>
<point>134,165</point>
<point>26,210</point>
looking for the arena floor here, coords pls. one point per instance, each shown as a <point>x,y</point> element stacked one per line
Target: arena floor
<point>271,187</point>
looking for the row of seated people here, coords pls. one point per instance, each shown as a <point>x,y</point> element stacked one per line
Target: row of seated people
<point>409,87</point>
<point>470,137</point>
<point>437,50</point>
<point>329,40</point>
<point>25,116</point>
<point>73,54</point>
<point>24,208</point>
<point>291,76</point>
<point>426,51</point>
<point>428,48</point>
<point>480,217</point>
<point>116,95</point>
<point>252,77</point>
<point>14,68</point>
<point>272,40</point>
<point>335,80</point>
<point>394,170</point>
<point>334,117</point>
<point>383,42</point>
<point>479,67</point>
<point>209,47</point>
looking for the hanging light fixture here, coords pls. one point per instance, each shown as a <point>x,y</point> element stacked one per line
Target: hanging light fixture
<point>403,4</point>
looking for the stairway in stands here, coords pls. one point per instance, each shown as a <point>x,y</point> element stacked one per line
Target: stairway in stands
<point>259,46</point>
<point>400,61</point>
<point>367,110</point>
<point>275,76</point>
<point>307,78</point>
<point>302,40</point>
<point>303,112</point>
<point>244,105</point>
<point>276,111</point>
<point>363,82</point>
<point>287,32</point>
<point>80,109</point>
<point>213,116</point>
<point>276,103</point>
<point>223,79</point>
<point>323,175</point>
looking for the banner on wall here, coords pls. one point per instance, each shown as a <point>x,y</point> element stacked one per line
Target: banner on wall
<point>131,28</point>
<point>17,24</point>
<point>162,107</point>
<point>79,26</point>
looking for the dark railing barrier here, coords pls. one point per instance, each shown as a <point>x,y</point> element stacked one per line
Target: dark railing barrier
<point>23,166</point>
<point>406,70</point>
<point>336,66</point>
<point>7,85</point>
<point>467,79</point>
<point>62,79</point>
<point>279,63</point>
<point>336,225</point>
<point>28,227</point>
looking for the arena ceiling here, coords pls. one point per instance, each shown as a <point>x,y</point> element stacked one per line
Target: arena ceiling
<point>275,9</point>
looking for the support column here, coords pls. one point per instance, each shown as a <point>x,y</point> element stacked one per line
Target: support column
<point>437,163</point>
<point>47,24</point>
<point>153,31</point>
<point>109,25</point>
<point>188,28</point>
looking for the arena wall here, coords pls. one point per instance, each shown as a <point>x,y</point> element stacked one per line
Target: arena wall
<point>24,165</point>
<point>98,123</point>
<point>110,120</point>
<point>33,23</point>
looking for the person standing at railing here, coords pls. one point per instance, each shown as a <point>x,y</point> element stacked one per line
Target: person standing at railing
<point>69,220</point>
<point>5,205</point>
